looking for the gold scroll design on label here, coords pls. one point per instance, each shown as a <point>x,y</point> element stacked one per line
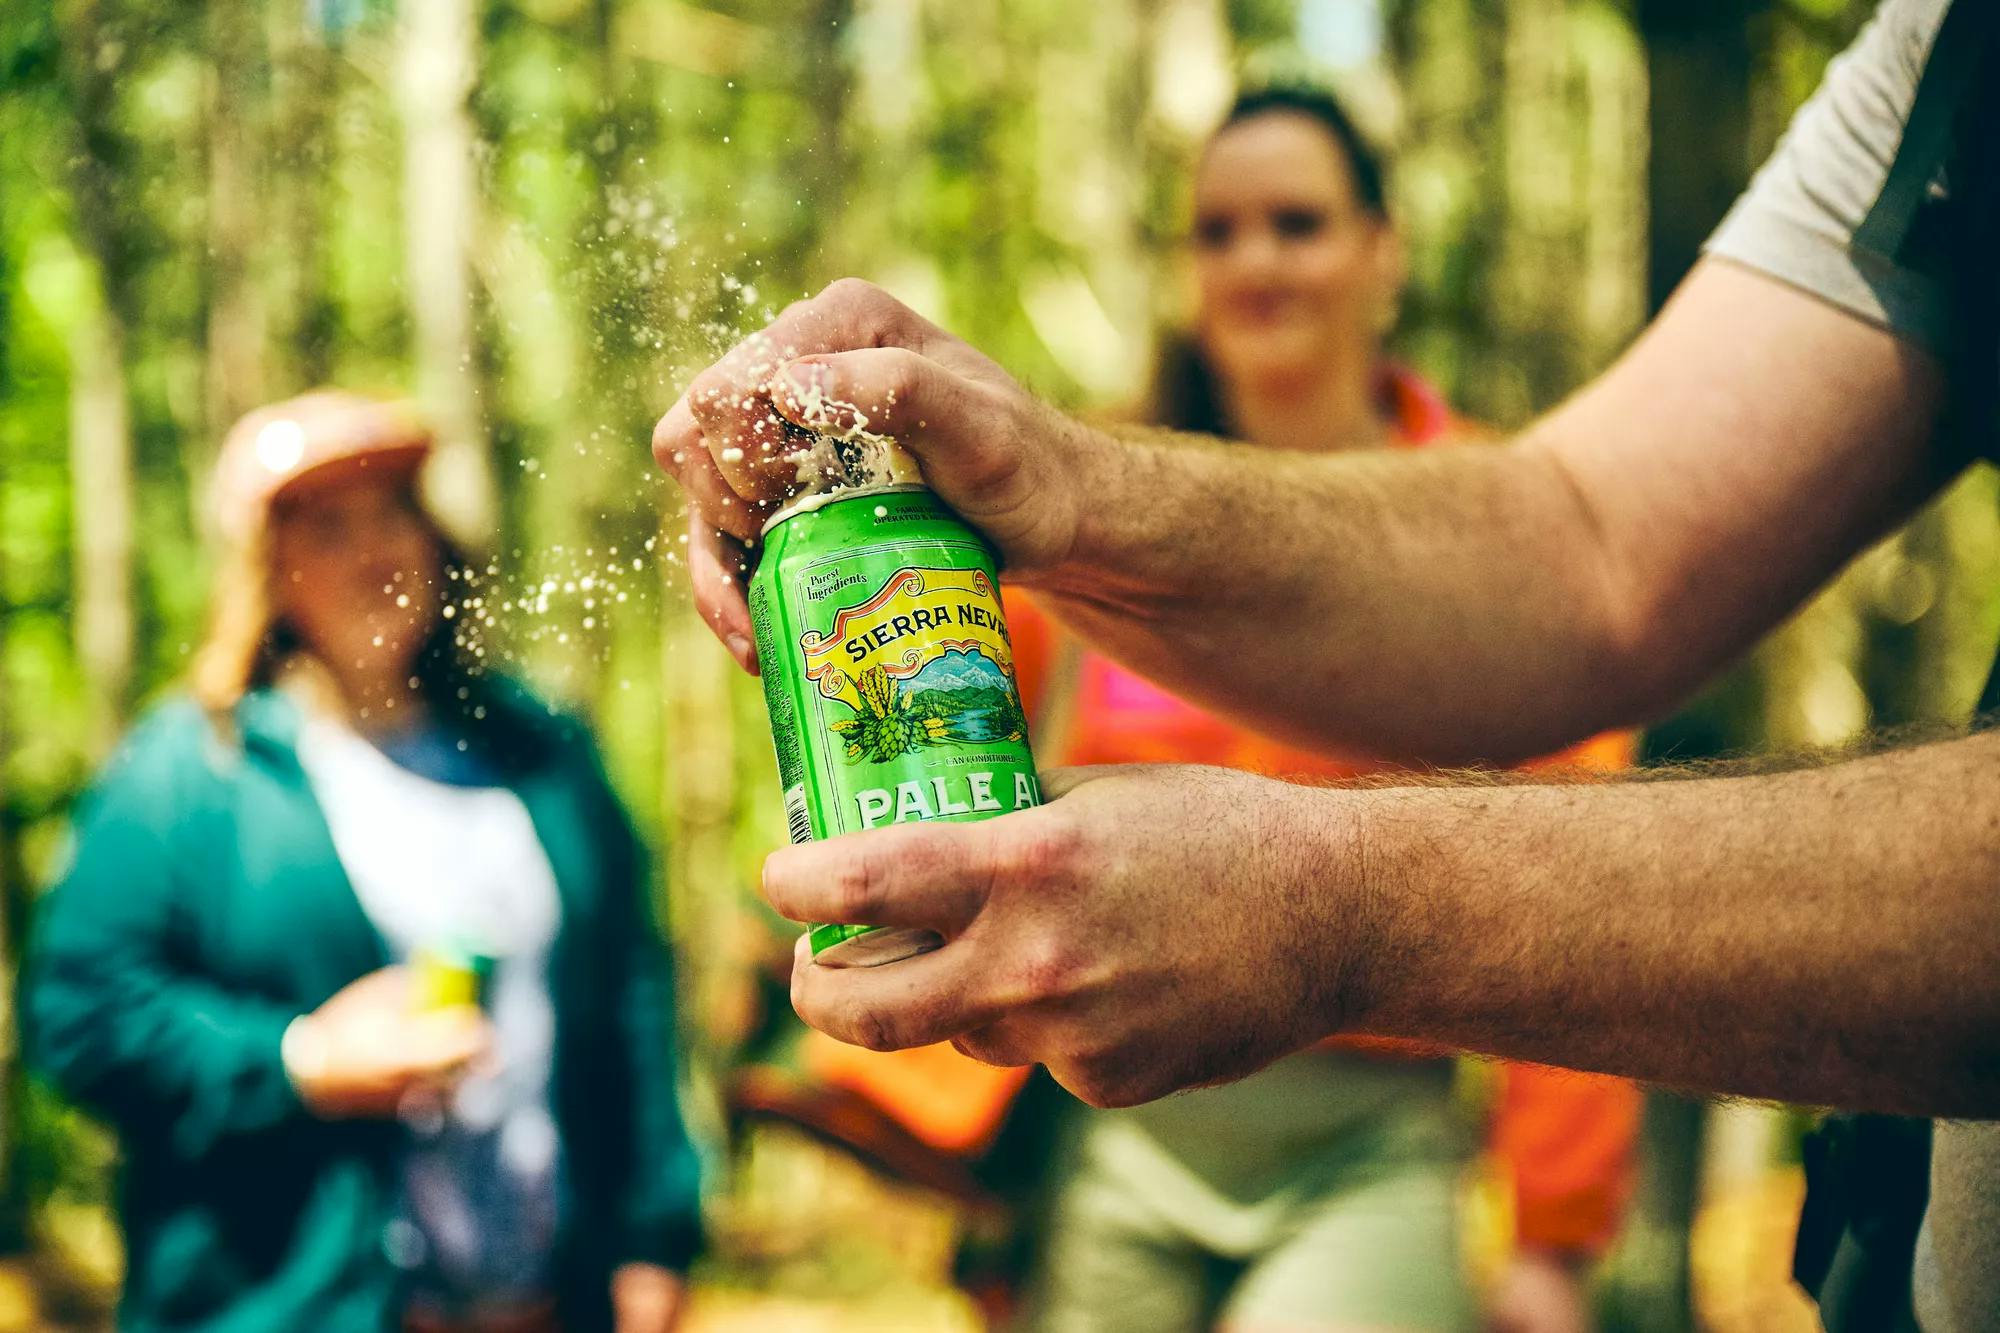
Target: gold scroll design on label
<point>833,670</point>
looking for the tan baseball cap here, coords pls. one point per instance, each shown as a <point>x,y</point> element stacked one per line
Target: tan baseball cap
<point>313,435</point>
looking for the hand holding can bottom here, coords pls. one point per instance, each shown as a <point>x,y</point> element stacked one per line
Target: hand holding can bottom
<point>1157,927</point>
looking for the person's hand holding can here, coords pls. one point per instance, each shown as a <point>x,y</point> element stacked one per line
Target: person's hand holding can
<point>371,1050</point>
<point>855,360</point>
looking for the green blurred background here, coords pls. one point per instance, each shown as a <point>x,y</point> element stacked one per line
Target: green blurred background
<point>540,215</point>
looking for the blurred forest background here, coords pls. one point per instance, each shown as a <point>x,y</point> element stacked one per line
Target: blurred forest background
<point>540,215</point>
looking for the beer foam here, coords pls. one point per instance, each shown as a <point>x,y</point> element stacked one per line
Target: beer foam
<point>843,450</point>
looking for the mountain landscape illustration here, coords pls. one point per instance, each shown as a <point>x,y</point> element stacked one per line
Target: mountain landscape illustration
<point>957,670</point>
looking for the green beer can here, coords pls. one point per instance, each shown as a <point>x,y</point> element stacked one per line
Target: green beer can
<point>889,678</point>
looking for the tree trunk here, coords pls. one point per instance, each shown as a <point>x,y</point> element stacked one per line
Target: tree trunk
<point>701,809</point>
<point>100,456</point>
<point>434,78</point>
<point>302,315</point>
<point>1701,64</point>
<point>235,372</point>
<point>1650,1286</point>
<point>13,896</point>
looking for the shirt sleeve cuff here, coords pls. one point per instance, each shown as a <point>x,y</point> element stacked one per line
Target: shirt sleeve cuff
<point>1866,285</point>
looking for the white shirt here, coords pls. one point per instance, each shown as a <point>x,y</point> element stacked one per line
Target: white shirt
<point>460,867</point>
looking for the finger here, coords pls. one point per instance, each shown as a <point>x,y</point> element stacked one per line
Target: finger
<point>730,402</point>
<point>718,568</point>
<point>385,989</point>
<point>726,417</point>
<point>446,1040</point>
<point>943,418</point>
<point>675,436</point>
<point>884,390</point>
<point>851,314</point>
<point>684,452</point>
<point>929,876</point>
<point>419,1104</point>
<point>756,451</point>
<point>929,998</point>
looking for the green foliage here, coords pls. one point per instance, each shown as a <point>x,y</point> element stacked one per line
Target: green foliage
<point>889,724</point>
<point>999,708</point>
<point>223,186</point>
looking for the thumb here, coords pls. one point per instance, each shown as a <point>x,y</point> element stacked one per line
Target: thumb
<point>943,419</point>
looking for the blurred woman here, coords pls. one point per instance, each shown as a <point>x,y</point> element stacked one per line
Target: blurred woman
<point>1320,1194</point>
<point>355,951</point>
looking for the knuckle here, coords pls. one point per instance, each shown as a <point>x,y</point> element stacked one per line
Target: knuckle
<point>1047,967</point>
<point>716,399</point>
<point>709,387</point>
<point>875,1030</point>
<point>850,291</point>
<point>855,884</point>
<point>898,375</point>
<point>1047,853</point>
<point>934,848</point>
<point>668,446</point>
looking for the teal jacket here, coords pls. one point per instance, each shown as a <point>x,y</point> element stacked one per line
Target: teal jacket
<point>206,908</point>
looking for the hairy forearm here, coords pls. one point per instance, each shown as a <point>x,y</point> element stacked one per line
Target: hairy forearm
<point>1449,605</point>
<point>1492,603</point>
<point>1828,936</point>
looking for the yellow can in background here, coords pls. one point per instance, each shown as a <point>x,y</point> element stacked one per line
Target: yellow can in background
<point>444,975</point>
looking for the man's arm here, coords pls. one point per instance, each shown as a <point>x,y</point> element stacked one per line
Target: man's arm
<point>1585,576</point>
<point>1826,936</point>
<point>1830,935</point>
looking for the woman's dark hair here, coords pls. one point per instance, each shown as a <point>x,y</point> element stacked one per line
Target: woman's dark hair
<point>1363,162</point>
<point>1185,395</point>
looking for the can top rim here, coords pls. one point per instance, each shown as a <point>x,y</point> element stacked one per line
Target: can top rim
<point>806,504</point>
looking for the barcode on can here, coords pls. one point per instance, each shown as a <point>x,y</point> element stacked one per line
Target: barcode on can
<point>797,820</point>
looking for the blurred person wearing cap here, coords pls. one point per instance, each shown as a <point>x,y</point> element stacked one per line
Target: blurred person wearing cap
<point>1827,934</point>
<point>355,951</point>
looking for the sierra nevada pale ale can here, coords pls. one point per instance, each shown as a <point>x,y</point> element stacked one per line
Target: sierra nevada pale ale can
<point>889,678</point>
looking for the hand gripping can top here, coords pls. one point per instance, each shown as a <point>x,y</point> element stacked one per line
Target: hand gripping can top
<point>889,678</point>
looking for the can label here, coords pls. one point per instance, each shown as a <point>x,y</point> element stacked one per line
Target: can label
<point>887,670</point>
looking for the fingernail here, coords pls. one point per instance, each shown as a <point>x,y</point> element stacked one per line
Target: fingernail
<point>738,646</point>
